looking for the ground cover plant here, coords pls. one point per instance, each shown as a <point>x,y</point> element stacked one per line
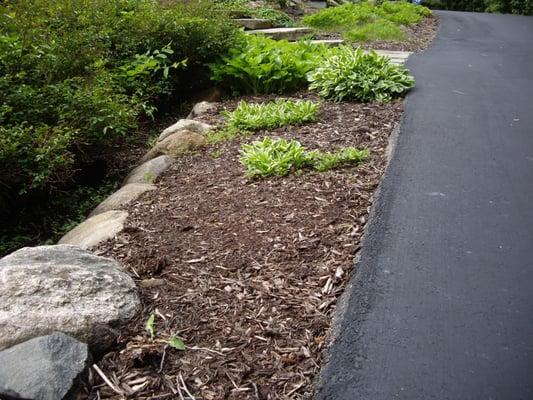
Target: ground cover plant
<point>262,65</point>
<point>77,77</point>
<point>366,21</point>
<point>249,117</point>
<point>281,112</point>
<point>279,157</point>
<point>358,75</point>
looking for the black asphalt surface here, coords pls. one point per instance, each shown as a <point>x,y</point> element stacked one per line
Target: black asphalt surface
<point>441,305</point>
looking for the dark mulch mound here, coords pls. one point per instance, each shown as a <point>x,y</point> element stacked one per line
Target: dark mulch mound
<point>420,37</point>
<point>246,272</point>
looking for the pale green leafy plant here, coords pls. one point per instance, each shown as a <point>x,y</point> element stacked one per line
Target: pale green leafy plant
<point>352,74</point>
<point>279,157</point>
<point>150,326</point>
<point>274,114</point>
<point>343,157</point>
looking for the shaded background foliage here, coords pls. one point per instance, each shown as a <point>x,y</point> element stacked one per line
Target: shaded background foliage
<point>77,77</point>
<point>524,7</point>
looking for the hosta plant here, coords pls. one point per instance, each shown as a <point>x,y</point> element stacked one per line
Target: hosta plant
<point>279,157</point>
<point>274,114</point>
<point>352,74</point>
<point>273,157</point>
<point>262,65</point>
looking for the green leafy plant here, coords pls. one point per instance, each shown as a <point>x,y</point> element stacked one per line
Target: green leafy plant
<point>281,112</point>
<point>345,156</point>
<point>76,76</point>
<point>262,65</point>
<point>368,21</point>
<point>349,74</point>
<point>380,30</point>
<point>273,157</point>
<point>279,157</point>
<point>150,326</point>
<point>176,343</point>
<point>277,17</point>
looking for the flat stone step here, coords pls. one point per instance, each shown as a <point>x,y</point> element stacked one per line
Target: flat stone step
<point>253,23</point>
<point>328,42</point>
<point>290,34</point>
<point>396,57</point>
<point>316,5</point>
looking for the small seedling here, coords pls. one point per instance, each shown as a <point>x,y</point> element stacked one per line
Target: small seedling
<point>150,326</point>
<point>176,343</point>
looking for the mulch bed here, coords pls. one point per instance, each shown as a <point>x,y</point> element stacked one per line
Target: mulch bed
<point>246,272</point>
<point>420,36</point>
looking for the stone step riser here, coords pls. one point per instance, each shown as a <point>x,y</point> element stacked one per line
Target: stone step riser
<point>253,23</point>
<point>291,34</point>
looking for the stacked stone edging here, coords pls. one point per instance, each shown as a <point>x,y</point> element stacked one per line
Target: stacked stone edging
<point>108,218</point>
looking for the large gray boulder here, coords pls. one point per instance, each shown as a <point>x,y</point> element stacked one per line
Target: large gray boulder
<point>185,124</point>
<point>63,288</point>
<point>96,229</point>
<point>149,171</point>
<point>49,367</point>
<point>122,197</point>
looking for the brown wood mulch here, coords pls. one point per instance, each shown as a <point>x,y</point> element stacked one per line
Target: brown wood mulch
<point>247,273</point>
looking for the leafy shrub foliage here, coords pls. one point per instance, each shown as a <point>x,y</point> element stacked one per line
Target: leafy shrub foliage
<point>262,65</point>
<point>349,74</point>
<point>524,7</point>
<point>76,75</point>
<point>279,157</point>
<point>242,8</point>
<point>276,17</point>
<point>381,30</point>
<point>366,21</point>
<point>271,115</point>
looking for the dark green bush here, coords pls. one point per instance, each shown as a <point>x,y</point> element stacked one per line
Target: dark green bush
<point>262,65</point>
<point>76,75</point>
<point>524,7</point>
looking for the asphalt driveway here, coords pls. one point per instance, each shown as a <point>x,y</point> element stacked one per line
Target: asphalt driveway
<point>441,306</point>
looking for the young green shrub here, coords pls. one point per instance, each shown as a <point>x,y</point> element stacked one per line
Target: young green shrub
<point>349,74</point>
<point>271,157</point>
<point>274,114</point>
<point>279,157</point>
<point>343,157</point>
<point>262,65</point>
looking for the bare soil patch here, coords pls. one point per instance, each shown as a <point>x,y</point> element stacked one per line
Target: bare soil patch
<point>247,273</point>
